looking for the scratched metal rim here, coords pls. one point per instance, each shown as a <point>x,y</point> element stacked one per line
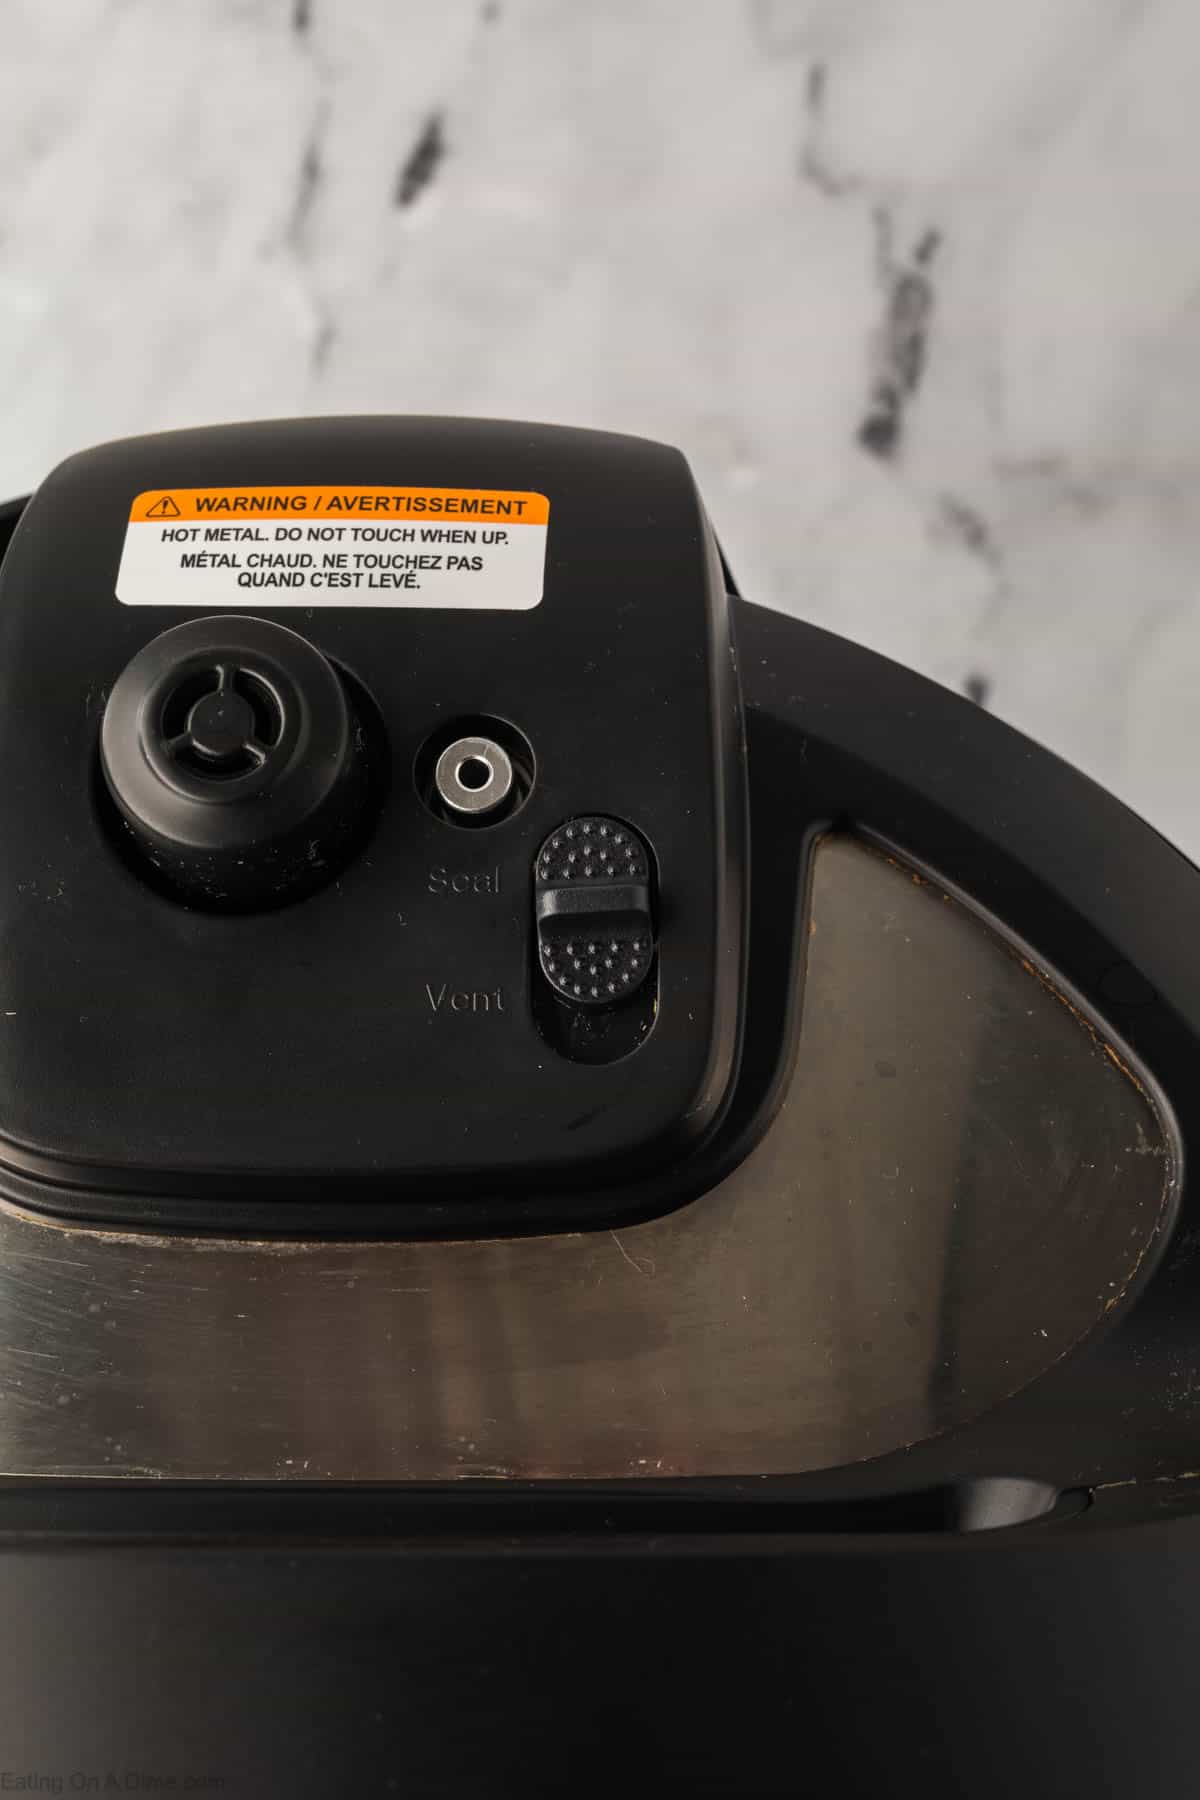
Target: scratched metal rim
<point>968,1177</point>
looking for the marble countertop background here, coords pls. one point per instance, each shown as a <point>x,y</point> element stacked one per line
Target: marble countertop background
<point>914,283</point>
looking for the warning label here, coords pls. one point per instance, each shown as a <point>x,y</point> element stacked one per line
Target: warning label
<point>468,548</point>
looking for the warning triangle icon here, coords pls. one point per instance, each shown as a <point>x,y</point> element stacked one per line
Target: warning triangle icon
<point>163,509</point>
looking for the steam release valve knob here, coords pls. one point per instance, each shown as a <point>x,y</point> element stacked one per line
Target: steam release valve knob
<point>236,763</point>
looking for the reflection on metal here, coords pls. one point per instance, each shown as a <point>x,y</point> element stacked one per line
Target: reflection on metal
<point>961,1182</point>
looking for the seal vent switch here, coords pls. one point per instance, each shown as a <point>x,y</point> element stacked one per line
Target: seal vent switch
<point>594,911</point>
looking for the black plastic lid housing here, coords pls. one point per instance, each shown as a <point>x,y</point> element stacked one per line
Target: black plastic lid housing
<point>188,768</point>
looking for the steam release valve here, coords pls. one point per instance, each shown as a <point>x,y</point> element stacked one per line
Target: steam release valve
<point>592,902</point>
<point>235,761</point>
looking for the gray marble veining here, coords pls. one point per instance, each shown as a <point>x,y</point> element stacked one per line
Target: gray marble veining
<point>915,284</point>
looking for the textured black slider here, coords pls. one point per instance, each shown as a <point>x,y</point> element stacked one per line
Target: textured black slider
<point>592,904</point>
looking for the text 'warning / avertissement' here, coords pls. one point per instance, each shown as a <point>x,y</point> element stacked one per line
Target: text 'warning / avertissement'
<point>468,548</point>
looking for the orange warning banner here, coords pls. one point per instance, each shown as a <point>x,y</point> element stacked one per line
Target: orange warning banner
<point>162,505</point>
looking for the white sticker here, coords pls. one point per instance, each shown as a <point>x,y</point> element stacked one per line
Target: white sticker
<point>468,548</point>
